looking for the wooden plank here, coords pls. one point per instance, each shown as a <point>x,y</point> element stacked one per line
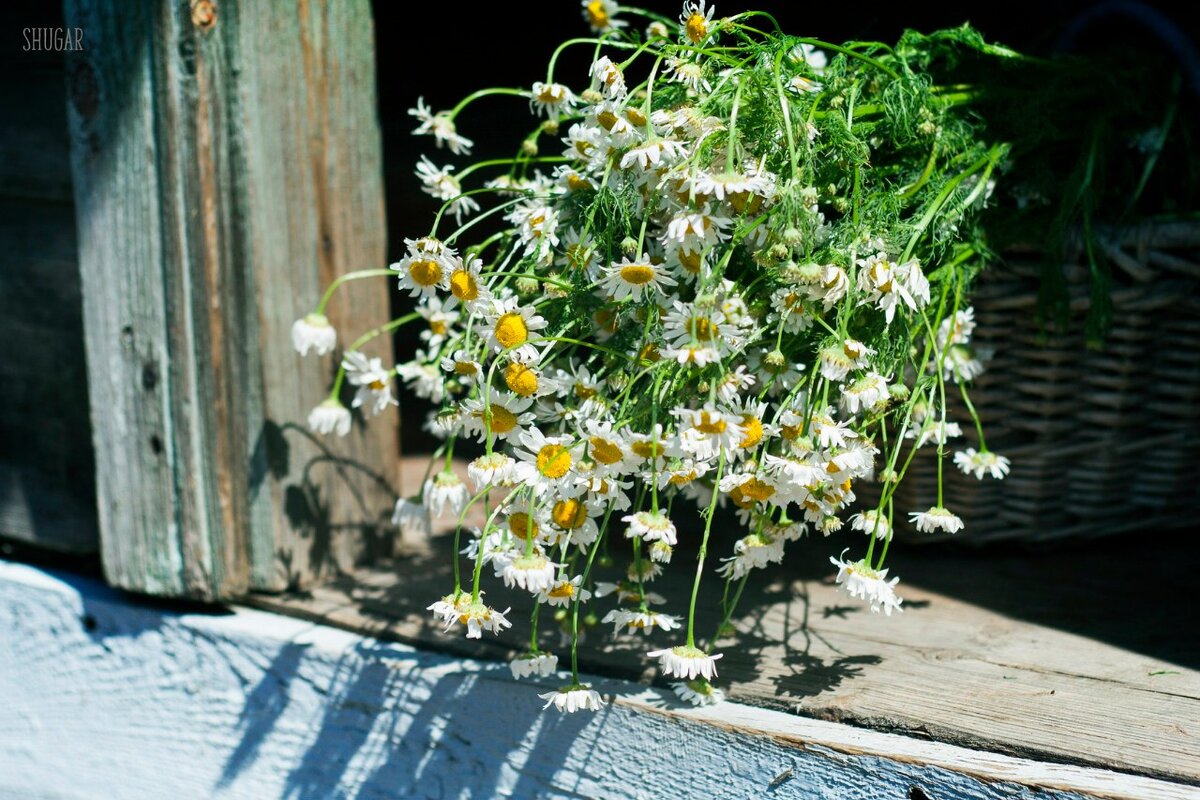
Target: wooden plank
<point>247,704</point>
<point>218,185</point>
<point>1062,656</point>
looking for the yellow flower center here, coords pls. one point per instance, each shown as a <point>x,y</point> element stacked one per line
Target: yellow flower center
<point>566,589</point>
<point>503,420</point>
<point>647,449</point>
<point>606,320</point>
<point>584,392</point>
<point>576,184</point>
<point>521,525</point>
<point>649,352</point>
<point>511,330</point>
<point>637,274</point>
<point>463,285</point>
<point>708,425</point>
<point>703,328</point>
<point>597,16</point>
<point>754,431</point>
<point>750,492</point>
<point>636,117</point>
<point>553,461</point>
<point>789,432</point>
<point>745,201</point>
<point>569,514</point>
<point>550,94</point>
<point>604,451</point>
<point>465,368</point>
<point>437,327</point>
<point>377,385</point>
<point>696,27</point>
<point>853,350</point>
<point>690,261</point>
<point>425,272</point>
<point>682,478</point>
<point>521,379</point>
<point>606,119</point>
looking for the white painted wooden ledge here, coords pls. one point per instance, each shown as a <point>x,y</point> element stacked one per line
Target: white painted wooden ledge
<point>104,696</point>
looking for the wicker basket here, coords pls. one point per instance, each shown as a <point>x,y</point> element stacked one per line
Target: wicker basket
<point>1101,441</point>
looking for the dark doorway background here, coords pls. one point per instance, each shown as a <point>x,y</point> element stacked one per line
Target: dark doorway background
<point>444,51</point>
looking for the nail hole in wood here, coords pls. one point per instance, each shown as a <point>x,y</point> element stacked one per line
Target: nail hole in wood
<point>156,444</point>
<point>149,376</point>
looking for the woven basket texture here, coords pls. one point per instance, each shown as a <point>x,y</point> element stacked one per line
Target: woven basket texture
<point>1102,441</point>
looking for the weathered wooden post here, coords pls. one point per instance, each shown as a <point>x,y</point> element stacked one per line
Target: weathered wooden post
<point>226,165</point>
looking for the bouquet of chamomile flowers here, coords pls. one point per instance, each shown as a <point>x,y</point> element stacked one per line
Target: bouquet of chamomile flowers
<point>735,272</point>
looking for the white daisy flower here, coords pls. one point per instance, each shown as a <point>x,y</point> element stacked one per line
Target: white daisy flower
<point>579,697</point>
<point>551,100</point>
<point>533,573</point>
<point>442,128</point>
<point>689,73</point>
<point>563,591</point>
<point>463,366</point>
<point>313,331</point>
<point>960,364</point>
<point>541,665</point>
<point>981,462</point>
<point>837,360</point>
<point>425,380</point>
<point>445,493</point>
<point>695,354</point>
<point>698,692</point>
<point>661,552</point>
<point>503,415</point>
<point>956,329</point>
<point>447,610</point>
<point>467,286</point>
<point>330,417</point>
<point>439,317</point>
<point>547,461</point>
<point>889,285</point>
<point>706,431</point>
<point>509,328</point>
<point>491,470</point>
<point>476,617</point>
<point>935,519</point>
<point>635,278</point>
<point>372,379</point>
<point>696,20</point>
<point>871,522</point>
<point>426,266</point>
<point>574,515</point>
<point>654,154</point>
<point>868,393</point>
<point>607,77</point>
<point>441,183</point>
<point>634,620</point>
<point>650,526</point>
<point>686,662</point>
<point>933,431</point>
<point>411,516</point>
<point>609,449</point>
<point>869,585</point>
<point>751,552</point>
<point>697,230</point>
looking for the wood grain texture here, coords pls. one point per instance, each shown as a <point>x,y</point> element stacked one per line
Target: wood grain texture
<point>1064,657</point>
<point>106,697</point>
<point>222,177</point>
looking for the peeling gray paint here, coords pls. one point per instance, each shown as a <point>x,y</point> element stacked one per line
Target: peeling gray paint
<point>104,697</point>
